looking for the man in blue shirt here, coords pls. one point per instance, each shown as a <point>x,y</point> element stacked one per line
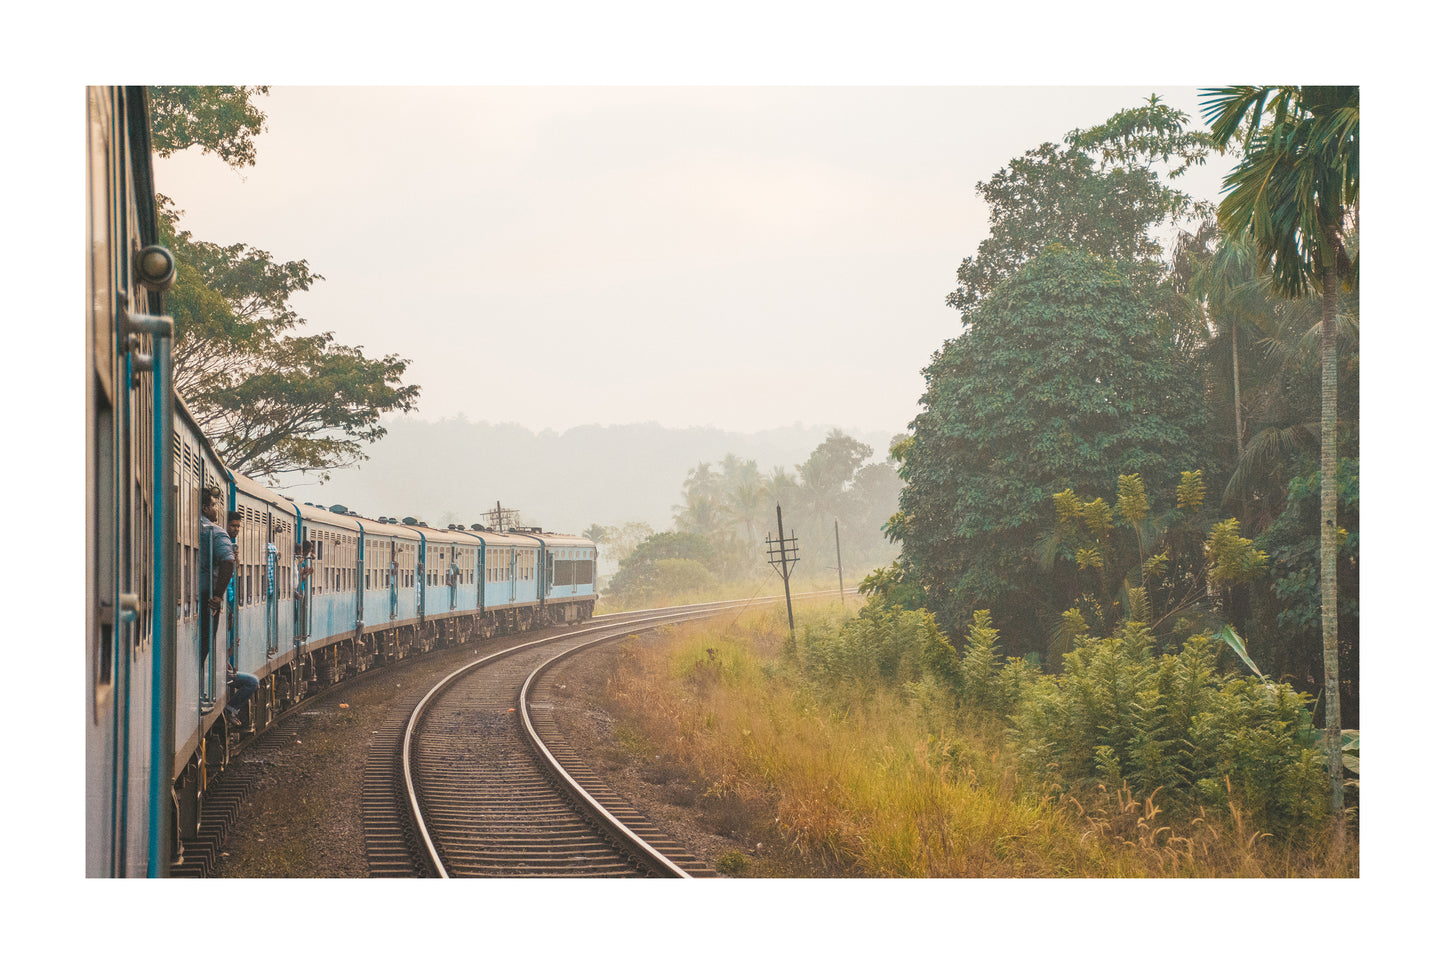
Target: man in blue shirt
<point>218,562</point>
<point>242,685</point>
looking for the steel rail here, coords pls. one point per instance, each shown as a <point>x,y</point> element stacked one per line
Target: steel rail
<point>576,788</point>
<point>413,797</point>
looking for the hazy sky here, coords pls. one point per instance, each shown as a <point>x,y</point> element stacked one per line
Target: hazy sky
<point>743,257</point>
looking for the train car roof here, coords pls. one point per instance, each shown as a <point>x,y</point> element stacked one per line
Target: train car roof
<point>563,540</point>
<point>388,530</point>
<point>316,514</point>
<point>459,537</point>
<point>490,537</point>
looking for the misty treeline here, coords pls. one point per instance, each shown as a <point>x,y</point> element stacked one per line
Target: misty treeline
<point>273,400</point>
<point>835,502</point>
<point>1122,450</point>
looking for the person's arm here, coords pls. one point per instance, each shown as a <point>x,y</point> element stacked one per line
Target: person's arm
<point>224,569</point>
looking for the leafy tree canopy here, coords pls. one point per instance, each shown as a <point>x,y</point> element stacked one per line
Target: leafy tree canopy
<point>1099,192</point>
<point>663,563</point>
<point>1059,380</point>
<point>218,120</point>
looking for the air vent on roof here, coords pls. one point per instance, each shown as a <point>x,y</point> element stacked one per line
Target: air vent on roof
<point>408,521</point>
<point>338,509</point>
<point>478,527</point>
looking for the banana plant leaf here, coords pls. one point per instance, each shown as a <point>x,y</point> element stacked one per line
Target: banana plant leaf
<point>1235,643</point>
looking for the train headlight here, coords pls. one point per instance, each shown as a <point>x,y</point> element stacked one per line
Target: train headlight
<point>156,268</point>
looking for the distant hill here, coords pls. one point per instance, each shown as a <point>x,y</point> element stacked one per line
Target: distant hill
<point>608,475</point>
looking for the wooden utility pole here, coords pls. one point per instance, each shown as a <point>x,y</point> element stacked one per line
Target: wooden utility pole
<point>838,545</point>
<point>783,555</point>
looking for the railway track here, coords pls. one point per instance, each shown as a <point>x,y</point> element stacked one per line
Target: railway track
<point>475,781</point>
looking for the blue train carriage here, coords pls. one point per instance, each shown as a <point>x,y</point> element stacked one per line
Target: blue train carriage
<point>390,592</point>
<point>262,601</point>
<point>329,628</point>
<point>129,585</point>
<point>448,572</point>
<point>570,577</point>
<point>511,575</point>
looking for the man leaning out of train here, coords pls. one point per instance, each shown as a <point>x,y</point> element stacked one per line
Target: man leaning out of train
<point>242,685</point>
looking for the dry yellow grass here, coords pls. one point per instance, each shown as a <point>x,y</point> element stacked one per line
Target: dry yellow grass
<point>895,783</point>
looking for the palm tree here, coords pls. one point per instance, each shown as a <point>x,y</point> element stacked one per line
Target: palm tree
<point>1296,192</point>
<point>1222,281</point>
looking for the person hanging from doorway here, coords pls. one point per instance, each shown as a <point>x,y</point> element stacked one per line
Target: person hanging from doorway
<point>241,685</point>
<point>218,563</point>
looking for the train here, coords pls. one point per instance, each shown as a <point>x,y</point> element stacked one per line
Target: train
<point>319,593</point>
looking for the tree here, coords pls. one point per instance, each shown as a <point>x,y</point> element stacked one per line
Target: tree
<point>218,120</point>
<point>1099,193</point>
<point>1060,378</point>
<point>662,563</point>
<point>270,401</point>
<point>1225,281</point>
<point>1296,193</point>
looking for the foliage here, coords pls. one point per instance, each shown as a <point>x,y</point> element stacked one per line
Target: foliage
<point>1100,193</point>
<point>1170,727</point>
<point>618,542</point>
<point>1289,622</point>
<point>980,662</point>
<point>893,586</point>
<point>1170,568</point>
<point>1262,371</point>
<point>271,402</point>
<point>219,120</point>
<point>1058,379</point>
<point>662,563</point>
<point>881,645</point>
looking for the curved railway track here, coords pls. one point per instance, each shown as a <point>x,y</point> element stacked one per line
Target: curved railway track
<point>475,782</point>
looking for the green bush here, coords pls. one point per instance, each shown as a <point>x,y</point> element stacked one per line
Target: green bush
<point>881,645</point>
<point>1121,715</point>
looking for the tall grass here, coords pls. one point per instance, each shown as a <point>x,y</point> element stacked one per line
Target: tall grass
<point>861,775</point>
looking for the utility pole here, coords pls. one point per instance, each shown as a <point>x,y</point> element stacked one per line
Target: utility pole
<point>783,555</point>
<point>838,545</point>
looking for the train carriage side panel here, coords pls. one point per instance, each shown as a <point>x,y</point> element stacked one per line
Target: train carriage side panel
<point>262,598</point>
<point>571,574</point>
<point>503,560</point>
<point>388,598</point>
<point>331,597</point>
<point>442,571</point>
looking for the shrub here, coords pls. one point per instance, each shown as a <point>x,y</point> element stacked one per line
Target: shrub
<point>881,645</point>
<point>1169,726</point>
